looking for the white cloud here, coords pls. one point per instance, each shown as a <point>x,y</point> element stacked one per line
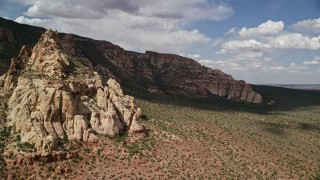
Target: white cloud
<point>283,41</point>
<point>192,9</point>
<point>296,41</point>
<point>250,55</point>
<point>308,25</point>
<point>231,31</point>
<point>277,68</point>
<point>255,66</point>
<point>254,62</point>
<point>33,21</point>
<point>80,8</point>
<point>297,68</point>
<point>178,9</point>
<point>135,25</point>
<point>315,61</point>
<point>192,56</point>
<point>268,28</point>
<point>240,45</point>
<point>268,35</point>
<point>268,53</point>
<point>133,33</point>
<point>224,65</point>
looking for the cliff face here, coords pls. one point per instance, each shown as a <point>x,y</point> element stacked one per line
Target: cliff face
<point>52,95</point>
<point>173,70</point>
<point>191,76</point>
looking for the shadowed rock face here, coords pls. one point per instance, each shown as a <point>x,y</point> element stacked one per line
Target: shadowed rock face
<point>52,95</point>
<point>174,70</point>
<point>6,35</point>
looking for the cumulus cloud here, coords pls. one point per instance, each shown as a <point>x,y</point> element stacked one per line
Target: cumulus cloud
<point>180,9</point>
<point>135,25</point>
<point>308,25</point>
<point>266,36</point>
<point>268,28</point>
<point>284,41</point>
<point>80,8</point>
<point>269,50</point>
<point>240,65</point>
<point>250,55</point>
<point>242,62</point>
<point>33,21</point>
<point>236,45</point>
<point>191,10</point>
<point>315,61</point>
<point>224,65</point>
<point>296,41</point>
<point>131,32</point>
<point>231,31</point>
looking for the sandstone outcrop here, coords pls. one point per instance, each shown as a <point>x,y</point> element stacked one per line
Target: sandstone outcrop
<point>53,96</point>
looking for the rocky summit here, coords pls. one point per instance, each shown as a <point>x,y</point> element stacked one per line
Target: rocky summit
<point>50,95</point>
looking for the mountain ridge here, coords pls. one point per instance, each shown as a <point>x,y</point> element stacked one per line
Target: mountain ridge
<point>155,73</point>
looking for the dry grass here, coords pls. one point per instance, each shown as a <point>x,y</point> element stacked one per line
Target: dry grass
<point>190,143</point>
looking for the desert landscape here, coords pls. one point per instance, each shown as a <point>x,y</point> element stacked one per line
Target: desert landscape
<point>193,140</point>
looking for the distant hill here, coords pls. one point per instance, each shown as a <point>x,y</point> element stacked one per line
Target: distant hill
<point>21,35</point>
<point>299,86</point>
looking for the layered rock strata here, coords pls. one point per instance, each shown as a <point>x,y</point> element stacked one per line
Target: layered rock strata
<point>193,77</point>
<point>173,70</point>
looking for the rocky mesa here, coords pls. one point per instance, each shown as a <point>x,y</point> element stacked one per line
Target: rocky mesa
<point>50,95</point>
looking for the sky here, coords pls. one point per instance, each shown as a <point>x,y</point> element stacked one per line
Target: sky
<point>259,41</point>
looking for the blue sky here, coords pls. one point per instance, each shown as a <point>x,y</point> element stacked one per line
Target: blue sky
<point>260,41</point>
<point>251,13</point>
